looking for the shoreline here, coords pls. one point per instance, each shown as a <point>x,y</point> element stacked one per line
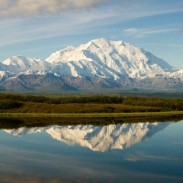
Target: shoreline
<point>91,115</point>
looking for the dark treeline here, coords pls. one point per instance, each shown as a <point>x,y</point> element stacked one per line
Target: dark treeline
<point>13,123</point>
<point>10,101</point>
<point>9,104</point>
<point>63,100</point>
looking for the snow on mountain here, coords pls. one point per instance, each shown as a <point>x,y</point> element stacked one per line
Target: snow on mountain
<point>17,64</point>
<point>4,75</point>
<point>177,75</point>
<point>24,131</point>
<point>98,64</point>
<point>98,138</point>
<point>2,67</point>
<point>109,59</point>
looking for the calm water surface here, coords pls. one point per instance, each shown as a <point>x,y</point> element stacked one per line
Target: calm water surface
<point>134,152</point>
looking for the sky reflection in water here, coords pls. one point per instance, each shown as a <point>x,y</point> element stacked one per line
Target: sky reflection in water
<point>140,152</point>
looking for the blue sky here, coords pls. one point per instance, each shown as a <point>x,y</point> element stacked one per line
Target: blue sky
<point>37,28</point>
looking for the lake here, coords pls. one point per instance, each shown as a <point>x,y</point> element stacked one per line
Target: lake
<point>127,152</point>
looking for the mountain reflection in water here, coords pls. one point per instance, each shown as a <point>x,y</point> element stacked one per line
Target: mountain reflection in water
<point>97,138</point>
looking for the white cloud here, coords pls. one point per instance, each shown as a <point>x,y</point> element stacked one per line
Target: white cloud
<point>136,32</point>
<point>37,7</point>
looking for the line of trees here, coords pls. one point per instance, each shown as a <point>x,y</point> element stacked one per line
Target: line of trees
<point>9,104</point>
<point>64,100</point>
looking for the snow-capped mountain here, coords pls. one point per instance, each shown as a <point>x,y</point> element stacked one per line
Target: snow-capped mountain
<point>19,64</point>
<point>108,59</point>
<point>98,138</point>
<point>97,64</point>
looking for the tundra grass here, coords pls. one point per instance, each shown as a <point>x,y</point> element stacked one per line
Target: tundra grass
<point>92,115</point>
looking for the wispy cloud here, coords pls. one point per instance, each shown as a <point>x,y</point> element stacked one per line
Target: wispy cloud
<point>166,45</point>
<point>37,7</point>
<point>21,32</point>
<point>141,156</point>
<point>73,24</point>
<point>142,32</point>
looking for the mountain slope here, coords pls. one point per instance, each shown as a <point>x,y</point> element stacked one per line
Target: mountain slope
<point>97,64</point>
<point>108,59</point>
<point>36,82</point>
<point>18,64</point>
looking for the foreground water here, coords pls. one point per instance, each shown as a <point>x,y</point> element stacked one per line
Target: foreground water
<point>134,152</point>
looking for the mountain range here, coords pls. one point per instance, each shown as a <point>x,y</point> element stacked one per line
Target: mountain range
<point>97,138</point>
<point>98,64</point>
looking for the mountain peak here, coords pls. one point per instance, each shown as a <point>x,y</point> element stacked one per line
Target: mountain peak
<point>105,43</point>
<point>14,59</point>
<point>101,41</point>
<point>112,59</point>
<point>101,62</point>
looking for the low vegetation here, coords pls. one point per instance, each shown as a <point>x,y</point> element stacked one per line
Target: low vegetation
<point>41,121</point>
<point>10,103</point>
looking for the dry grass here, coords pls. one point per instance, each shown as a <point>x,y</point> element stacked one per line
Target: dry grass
<point>81,115</point>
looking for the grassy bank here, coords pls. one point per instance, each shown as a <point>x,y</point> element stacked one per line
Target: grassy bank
<point>12,121</point>
<point>92,107</point>
<point>94,104</point>
<point>25,110</point>
<point>92,115</point>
